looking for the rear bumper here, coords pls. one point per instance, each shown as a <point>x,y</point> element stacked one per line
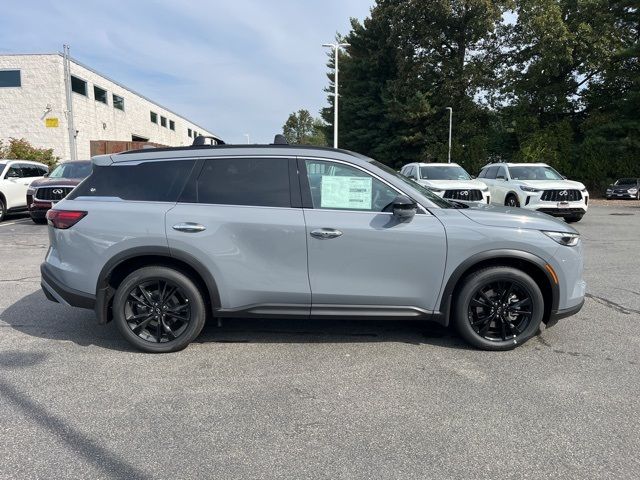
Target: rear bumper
<point>56,291</point>
<point>563,313</point>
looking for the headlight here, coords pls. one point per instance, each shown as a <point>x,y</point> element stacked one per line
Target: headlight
<point>609,190</point>
<point>31,191</point>
<point>584,190</point>
<point>435,190</point>
<point>484,189</point>
<point>530,189</point>
<point>633,190</point>
<point>564,238</point>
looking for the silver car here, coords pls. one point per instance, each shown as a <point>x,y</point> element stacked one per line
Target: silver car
<point>159,240</point>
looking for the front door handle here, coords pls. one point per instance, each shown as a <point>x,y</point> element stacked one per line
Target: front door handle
<point>326,233</point>
<point>189,227</point>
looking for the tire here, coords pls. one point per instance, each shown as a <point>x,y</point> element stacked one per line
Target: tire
<point>39,221</point>
<point>505,329</point>
<point>3,209</point>
<point>511,201</point>
<point>573,218</point>
<point>134,309</point>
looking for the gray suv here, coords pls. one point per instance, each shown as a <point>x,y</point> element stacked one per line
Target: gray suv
<point>159,240</point>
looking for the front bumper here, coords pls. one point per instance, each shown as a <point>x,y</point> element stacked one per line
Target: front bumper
<point>56,291</point>
<point>37,208</point>
<point>532,201</point>
<point>563,313</point>
<point>621,195</point>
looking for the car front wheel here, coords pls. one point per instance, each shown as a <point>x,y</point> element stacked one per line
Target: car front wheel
<point>511,201</point>
<point>159,309</point>
<point>498,308</point>
<point>573,218</point>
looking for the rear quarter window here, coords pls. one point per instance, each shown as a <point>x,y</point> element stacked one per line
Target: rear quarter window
<point>160,181</point>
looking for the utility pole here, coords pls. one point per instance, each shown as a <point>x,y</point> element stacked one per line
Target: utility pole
<point>247,135</point>
<point>336,51</point>
<point>450,125</point>
<point>73,150</point>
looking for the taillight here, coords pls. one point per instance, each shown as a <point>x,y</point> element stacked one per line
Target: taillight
<point>64,219</point>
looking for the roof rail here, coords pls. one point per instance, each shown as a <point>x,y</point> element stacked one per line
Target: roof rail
<point>202,140</point>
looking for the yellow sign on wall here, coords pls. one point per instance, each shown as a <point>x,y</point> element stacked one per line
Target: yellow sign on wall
<point>51,122</point>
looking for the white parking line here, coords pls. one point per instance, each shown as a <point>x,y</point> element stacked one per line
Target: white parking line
<point>15,222</point>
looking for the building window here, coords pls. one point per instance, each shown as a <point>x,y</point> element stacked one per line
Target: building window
<point>100,94</point>
<point>10,78</point>
<point>118,102</point>
<point>172,125</point>
<point>163,122</point>
<point>78,85</point>
<point>189,132</point>
<point>154,117</point>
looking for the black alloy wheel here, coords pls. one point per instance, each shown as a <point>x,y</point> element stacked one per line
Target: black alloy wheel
<point>498,308</point>
<point>159,309</point>
<point>3,209</point>
<point>500,311</point>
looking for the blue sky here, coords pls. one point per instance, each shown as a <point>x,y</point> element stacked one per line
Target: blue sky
<point>234,67</point>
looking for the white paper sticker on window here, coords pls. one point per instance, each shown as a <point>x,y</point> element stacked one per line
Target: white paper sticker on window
<point>346,192</point>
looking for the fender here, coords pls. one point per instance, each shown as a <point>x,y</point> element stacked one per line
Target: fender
<point>104,292</point>
<point>493,255</point>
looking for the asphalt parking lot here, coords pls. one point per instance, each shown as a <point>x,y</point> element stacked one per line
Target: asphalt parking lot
<point>327,400</point>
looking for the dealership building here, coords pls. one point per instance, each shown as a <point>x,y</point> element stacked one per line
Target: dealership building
<point>53,101</point>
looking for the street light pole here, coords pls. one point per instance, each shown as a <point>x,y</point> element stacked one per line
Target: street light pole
<point>336,50</point>
<point>247,135</point>
<point>450,125</point>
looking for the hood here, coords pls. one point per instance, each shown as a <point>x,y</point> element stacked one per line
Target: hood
<point>62,182</point>
<point>552,184</point>
<point>453,184</point>
<point>496,216</point>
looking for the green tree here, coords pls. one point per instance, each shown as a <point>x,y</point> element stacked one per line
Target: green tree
<point>21,149</point>
<point>302,128</point>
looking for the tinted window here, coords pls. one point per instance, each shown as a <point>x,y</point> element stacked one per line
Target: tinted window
<point>502,172</point>
<point>78,85</point>
<point>444,172</point>
<point>30,170</point>
<point>482,173</point>
<point>10,78</point>
<point>245,181</point>
<point>118,102</point>
<point>337,186</point>
<point>14,172</point>
<point>100,94</point>
<point>491,172</point>
<point>148,181</point>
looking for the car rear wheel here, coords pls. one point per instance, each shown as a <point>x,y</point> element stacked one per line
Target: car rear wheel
<point>498,308</point>
<point>39,221</point>
<point>511,201</point>
<point>158,309</point>
<point>3,209</point>
<point>573,218</point>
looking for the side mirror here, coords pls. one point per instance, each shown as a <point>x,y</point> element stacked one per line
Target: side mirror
<point>403,207</point>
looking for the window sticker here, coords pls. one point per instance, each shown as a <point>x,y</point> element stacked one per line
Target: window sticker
<point>346,192</point>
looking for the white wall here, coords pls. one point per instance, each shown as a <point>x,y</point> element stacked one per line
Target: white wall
<point>22,110</point>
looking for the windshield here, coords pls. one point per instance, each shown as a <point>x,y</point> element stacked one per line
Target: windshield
<point>72,170</point>
<point>534,173</point>
<point>622,181</point>
<point>2,165</point>
<point>442,172</point>
<point>440,202</point>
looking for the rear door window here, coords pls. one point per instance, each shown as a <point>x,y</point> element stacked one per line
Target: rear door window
<point>159,181</point>
<point>491,172</point>
<point>262,182</point>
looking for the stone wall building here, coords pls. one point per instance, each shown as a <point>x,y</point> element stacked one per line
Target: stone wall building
<point>33,106</point>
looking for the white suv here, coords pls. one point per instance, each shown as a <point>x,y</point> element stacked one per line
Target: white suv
<point>535,186</point>
<point>15,178</point>
<point>447,180</point>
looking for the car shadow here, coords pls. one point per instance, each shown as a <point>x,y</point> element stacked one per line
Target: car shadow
<point>36,316</point>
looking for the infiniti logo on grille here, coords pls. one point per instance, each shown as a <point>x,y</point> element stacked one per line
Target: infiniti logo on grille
<point>563,193</point>
<point>464,193</point>
<point>58,191</point>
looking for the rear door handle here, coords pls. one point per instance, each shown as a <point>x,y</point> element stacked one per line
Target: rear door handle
<point>326,233</point>
<point>189,227</point>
